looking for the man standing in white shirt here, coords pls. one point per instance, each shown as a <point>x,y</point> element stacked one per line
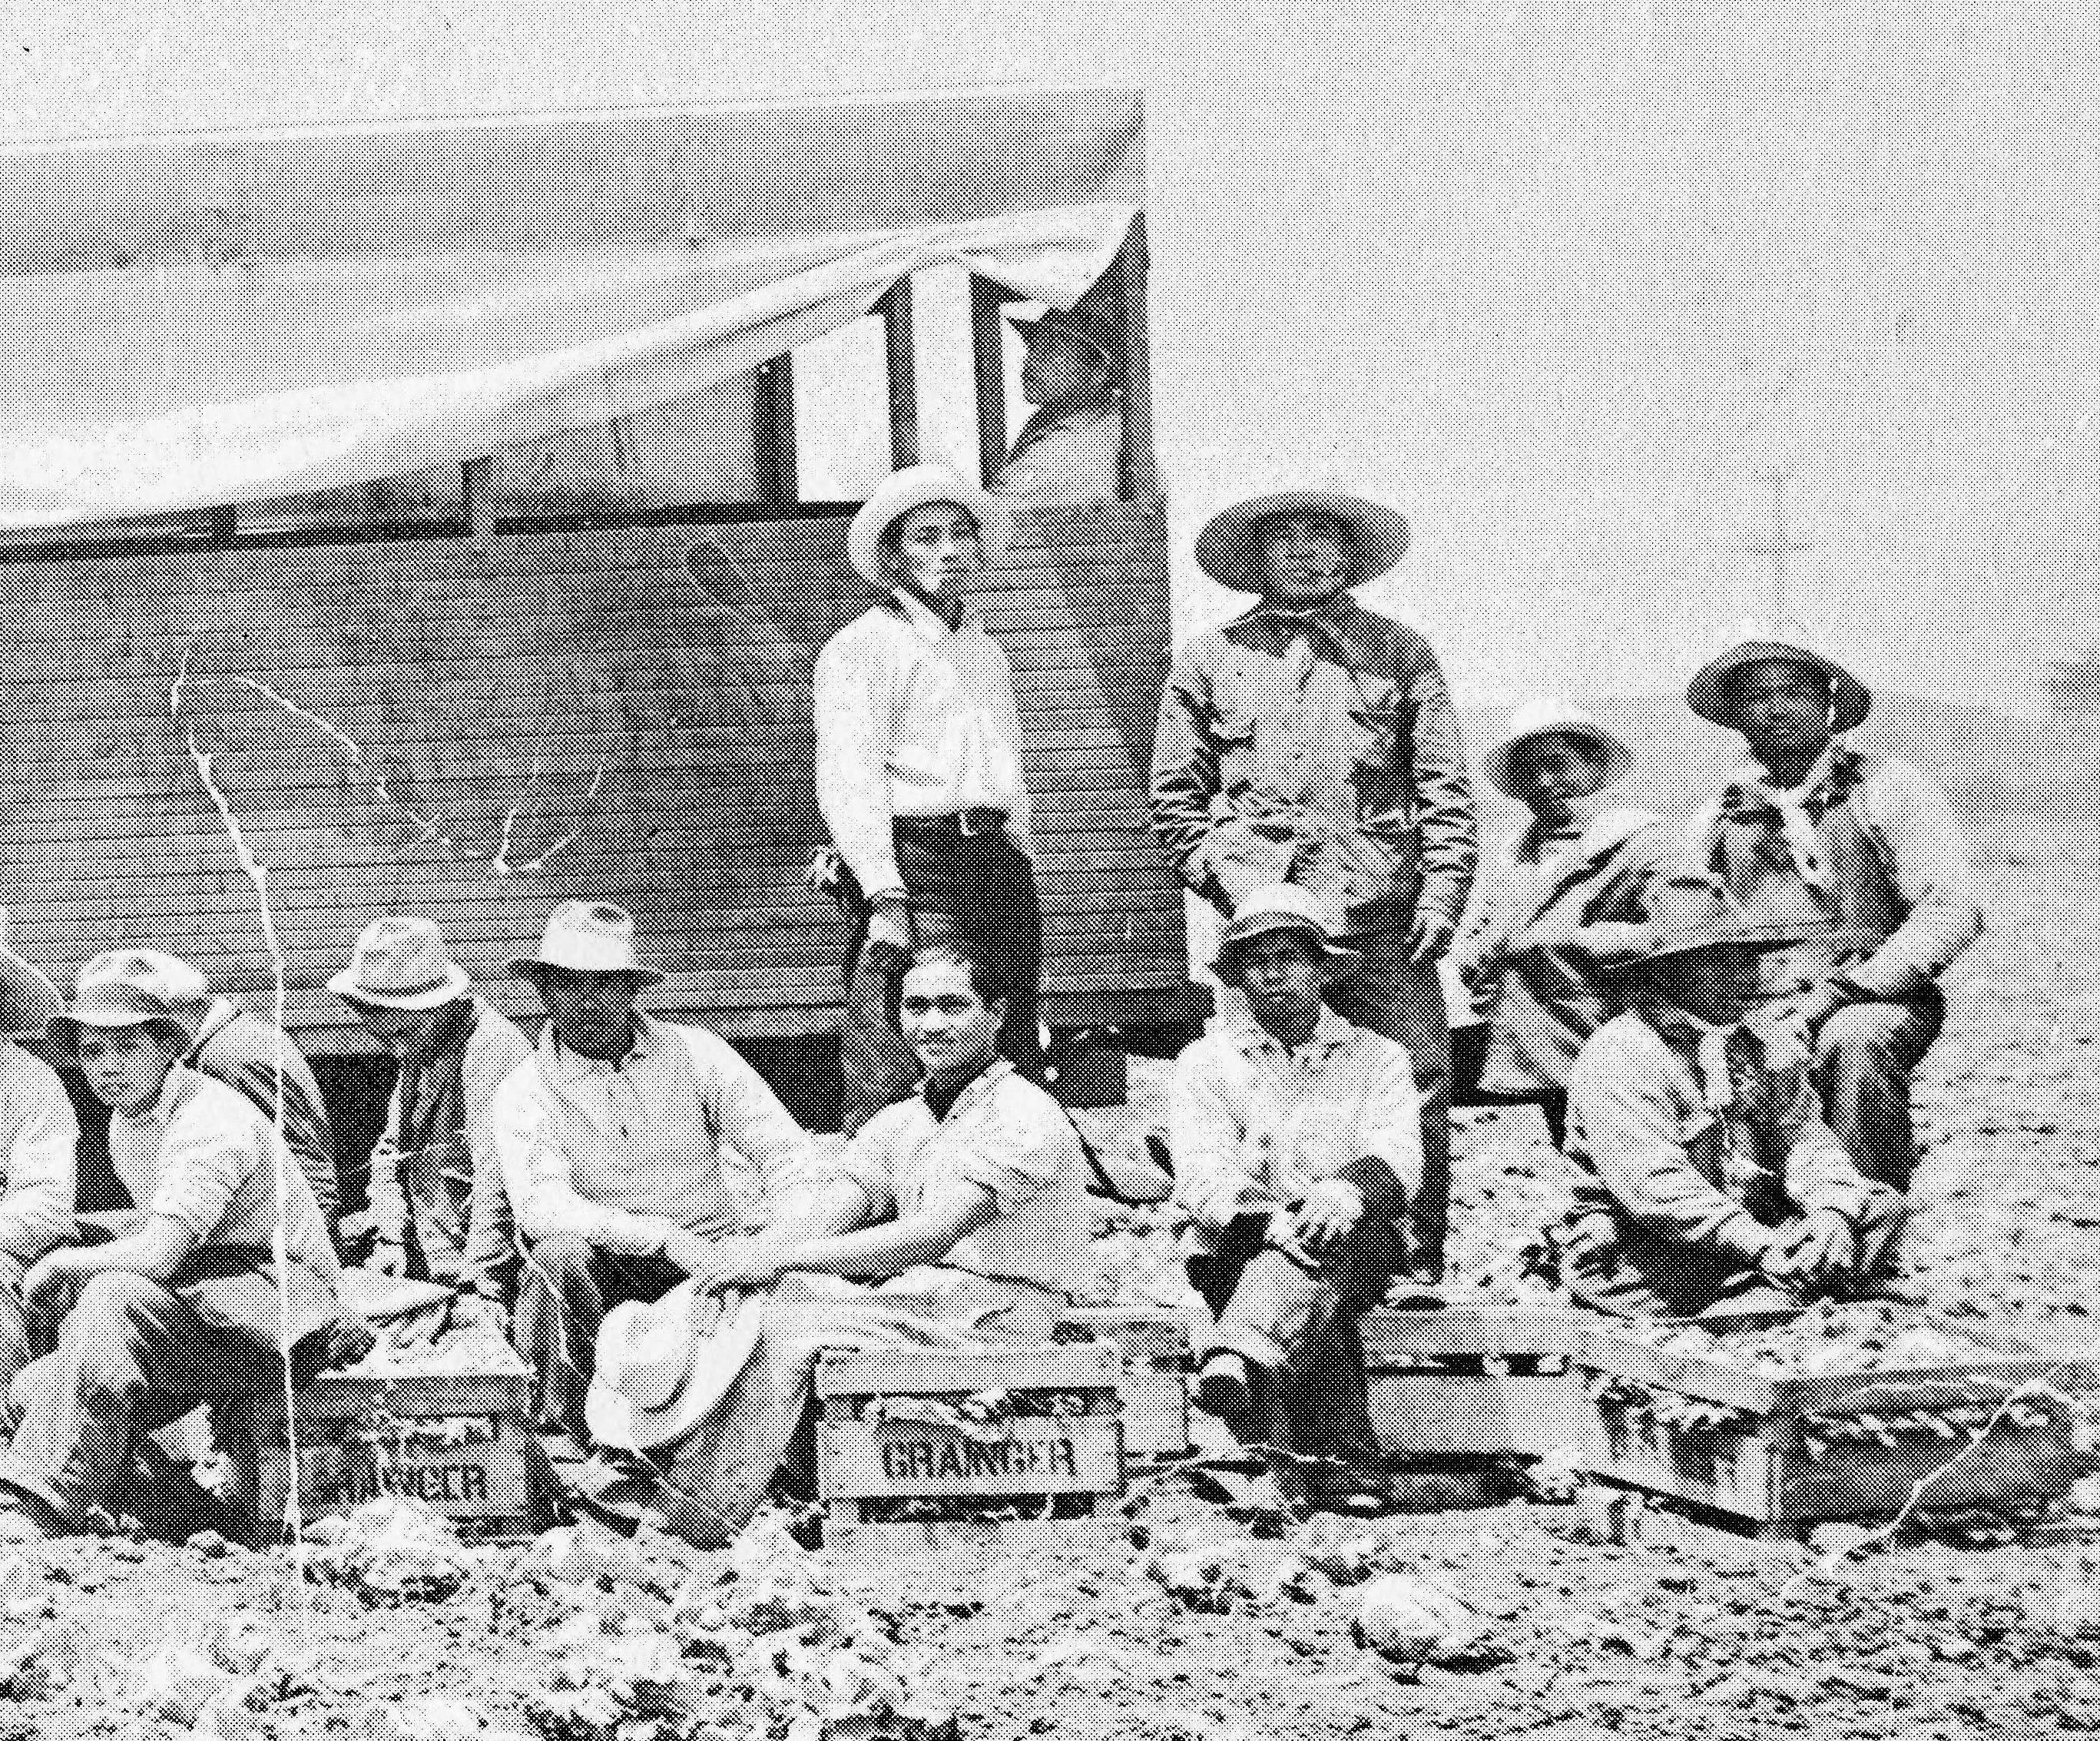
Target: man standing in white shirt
<point>609,1138</point>
<point>919,776</point>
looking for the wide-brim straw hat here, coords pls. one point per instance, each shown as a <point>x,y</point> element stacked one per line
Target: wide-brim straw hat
<point>587,937</point>
<point>1690,912</point>
<point>401,964</point>
<point>917,487</point>
<point>662,1368</point>
<point>1281,907</point>
<point>1538,719</point>
<point>1708,692</point>
<point>1225,549</point>
<point>29,1000</point>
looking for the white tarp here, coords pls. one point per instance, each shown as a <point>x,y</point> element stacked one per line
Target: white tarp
<point>198,321</point>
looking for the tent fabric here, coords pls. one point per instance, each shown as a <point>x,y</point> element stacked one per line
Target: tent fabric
<point>173,352</point>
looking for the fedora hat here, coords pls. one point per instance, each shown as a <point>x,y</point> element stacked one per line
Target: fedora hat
<point>1226,548</point>
<point>587,937</point>
<point>400,964</point>
<point>29,1000</point>
<point>132,988</point>
<point>1688,911</point>
<point>1281,907</point>
<point>1708,691</point>
<point>661,1366</point>
<point>916,487</point>
<point>1537,719</point>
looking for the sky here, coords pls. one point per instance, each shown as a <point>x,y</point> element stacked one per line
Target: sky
<point>1568,282</point>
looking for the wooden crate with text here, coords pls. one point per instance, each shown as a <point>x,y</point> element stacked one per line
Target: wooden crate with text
<point>906,1434</point>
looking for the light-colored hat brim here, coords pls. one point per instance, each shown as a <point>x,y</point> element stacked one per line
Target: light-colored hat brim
<point>532,968</point>
<point>29,1002</point>
<point>1763,938</point>
<point>449,990</point>
<point>1707,694</point>
<point>1339,957</point>
<point>716,1355</point>
<point>1616,753</point>
<point>918,487</point>
<point>1225,550</point>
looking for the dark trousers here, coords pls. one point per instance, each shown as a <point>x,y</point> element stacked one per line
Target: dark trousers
<point>1618,1268</point>
<point>1865,1056</point>
<point>1299,1329</point>
<point>569,1285</point>
<point>977,889</point>
<point>1469,1050</point>
<point>1403,1000</point>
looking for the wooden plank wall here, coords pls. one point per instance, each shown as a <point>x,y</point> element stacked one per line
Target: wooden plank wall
<point>621,713</point>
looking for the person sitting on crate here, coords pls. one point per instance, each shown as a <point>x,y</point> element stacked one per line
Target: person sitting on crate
<point>192,1307</point>
<point>1563,897</point>
<point>438,1209</point>
<point>963,1209</point>
<point>1296,1142</point>
<point>920,779</point>
<point>1707,1178</point>
<point>1863,851</point>
<point>243,1052</point>
<point>610,1138</point>
<point>39,1149</point>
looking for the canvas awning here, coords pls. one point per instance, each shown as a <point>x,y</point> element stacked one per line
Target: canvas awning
<point>206,319</point>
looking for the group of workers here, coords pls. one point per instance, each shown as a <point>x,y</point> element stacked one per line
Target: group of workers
<point>1719,1020</point>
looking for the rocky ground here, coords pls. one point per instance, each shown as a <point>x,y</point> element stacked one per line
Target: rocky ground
<point>1174,1623</point>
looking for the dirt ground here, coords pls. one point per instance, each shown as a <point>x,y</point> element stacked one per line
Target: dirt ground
<point>401,1636</point>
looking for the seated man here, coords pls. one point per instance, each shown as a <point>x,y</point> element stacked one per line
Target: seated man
<point>610,1138</point>
<point>39,1149</point>
<point>191,1308</point>
<point>1708,1178</point>
<point>968,1203</point>
<point>438,1208</point>
<point>1297,1143</point>
<point>237,1049</point>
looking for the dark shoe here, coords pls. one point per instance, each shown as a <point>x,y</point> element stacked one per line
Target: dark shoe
<point>1224,1387</point>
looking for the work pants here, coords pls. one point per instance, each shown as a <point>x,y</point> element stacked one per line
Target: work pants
<point>1629,1271</point>
<point>569,1285</point>
<point>1864,1057</point>
<point>133,1356</point>
<point>1403,1000</point>
<point>1299,1330</point>
<point>15,1350</point>
<point>977,889</point>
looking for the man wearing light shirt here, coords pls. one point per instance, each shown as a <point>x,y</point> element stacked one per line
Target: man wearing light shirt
<point>195,1304</point>
<point>39,1151</point>
<point>1862,853</point>
<point>610,1138</point>
<point>1297,1140</point>
<point>919,779</point>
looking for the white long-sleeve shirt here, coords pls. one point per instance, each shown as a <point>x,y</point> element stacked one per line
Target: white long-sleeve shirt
<point>39,1147</point>
<point>628,1153</point>
<point>913,719</point>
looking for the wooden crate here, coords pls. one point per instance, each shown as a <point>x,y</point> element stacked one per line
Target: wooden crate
<point>459,1443</point>
<point>866,1461</point>
<point>1154,1344</point>
<point>1783,1452</point>
<point>1477,1380</point>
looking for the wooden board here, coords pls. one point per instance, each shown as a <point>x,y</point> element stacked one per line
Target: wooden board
<point>487,681</point>
<point>913,1460</point>
<point>915,1372</point>
<point>1484,1330</point>
<point>1436,1415</point>
<point>1988,1379</point>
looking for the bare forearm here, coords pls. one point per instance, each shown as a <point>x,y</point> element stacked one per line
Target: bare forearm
<point>872,1252</point>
